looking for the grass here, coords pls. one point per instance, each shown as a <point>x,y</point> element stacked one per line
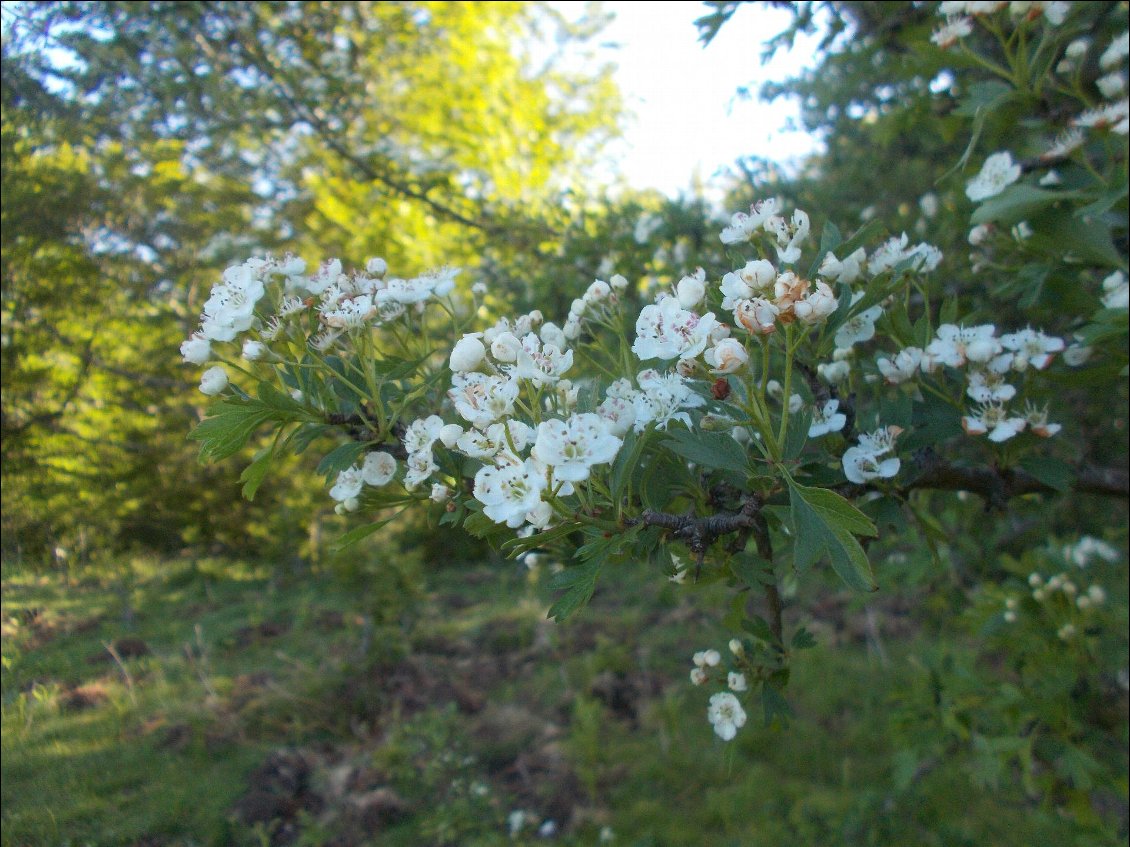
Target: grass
<point>213,702</point>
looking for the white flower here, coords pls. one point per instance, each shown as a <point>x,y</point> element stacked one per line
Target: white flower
<point>1116,290</point>
<point>736,681</point>
<point>541,364</point>
<point>253,350</point>
<point>662,399</point>
<point>955,28</point>
<point>904,366</point>
<point>1117,51</point>
<point>550,333</point>
<point>1037,419</point>
<point>422,434</point>
<point>509,492</point>
<point>997,173</point>
<point>1112,85</point>
<point>989,387</point>
<point>736,648</point>
<point>1112,116</point>
<point>440,493</point>
<point>1076,355</point>
<point>727,356</point>
<point>707,658</point>
<point>834,372</point>
<point>980,234</point>
<point>691,289</point>
<point>817,305</point>
<point>726,715</point>
<point>888,254</point>
<point>196,349</point>
<point>743,226</point>
<point>420,466</point>
<point>698,676</point>
<point>481,399</point>
<point>572,447</point>
<point>467,354</point>
<point>213,381</point>
<point>509,437</point>
<point>757,277</point>
<point>1031,348</point>
<point>954,345</point>
<point>862,463</point>
<point>378,468</point>
<point>858,328</point>
<point>667,331</point>
<point>758,316</point>
<point>827,419</point>
<point>348,485</point>
<point>994,420</point>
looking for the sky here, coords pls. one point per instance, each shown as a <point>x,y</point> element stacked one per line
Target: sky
<point>688,118</point>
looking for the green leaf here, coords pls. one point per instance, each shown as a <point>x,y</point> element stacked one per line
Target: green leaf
<point>830,239</point>
<point>1068,237</point>
<point>797,436</point>
<point>228,427</point>
<point>775,706</point>
<point>864,236</point>
<point>340,458</point>
<point>354,535</point>
<point>803,639</point>
<point>480,526</point>
<point>1051,472</point>
<point>515,547</point>
<point>708,449</point>
<point>824,522</point>
<point>254,474</point>
<point>627,461</point>
<point>578,583</point>
<point>287,407</point>
<point>1018,203</point>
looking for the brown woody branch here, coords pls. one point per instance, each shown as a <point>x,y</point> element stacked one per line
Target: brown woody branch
<point>700,533</point>
<point>999,485</point>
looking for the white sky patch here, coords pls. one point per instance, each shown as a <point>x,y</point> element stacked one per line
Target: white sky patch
<point>688,118</point>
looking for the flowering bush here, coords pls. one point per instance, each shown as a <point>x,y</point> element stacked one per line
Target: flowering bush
<point>760,416</point>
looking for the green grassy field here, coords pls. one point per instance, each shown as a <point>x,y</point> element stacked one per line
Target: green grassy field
<point>214,702</point>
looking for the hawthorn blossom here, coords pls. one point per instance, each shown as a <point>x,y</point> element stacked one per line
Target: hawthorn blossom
<point>664,330</point>
<point>573,446</point>
<point>1031,348</point>
<point>727,356</point>
<point>758,316</point>
<point>662,399</point>
<point>378,468</point>
<point>467,354</point>
<point>691,289</point>
<point>756,278</point>
<point>231,307</point>
<point>847,271</point>
<point>817,305</point>
<point>213,381</point>
<point>541,364</point>
<point>994,420</point>
<point>903,367</point>
<point>726,715</point>
<point>997,173</point>
<point>862,463</point>
<point>1112,85</point>
<point>422,434</point>
<point>1113,116</point>
<point>196,349</point>
<point>954,29</point>
<point>1116,290</point>
<point>348,484</point>
<point>954,345</point>
<point>482,399</point>
<point>420,466</point>
<point>509,492</point>
<point>1116,52</point>
<point>987,386</point>
<point>858,328</point>
<point>1037,419</point>
<point>509,437</point>
<point>827,419</point>
<point>742,226</point>
<point>736,681</point>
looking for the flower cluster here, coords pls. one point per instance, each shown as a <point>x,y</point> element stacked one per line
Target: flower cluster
<point>960,16</point>
<point>725,712</point>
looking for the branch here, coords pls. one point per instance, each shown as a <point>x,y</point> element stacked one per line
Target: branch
<point>999,485</point>
<point>700,533</point>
